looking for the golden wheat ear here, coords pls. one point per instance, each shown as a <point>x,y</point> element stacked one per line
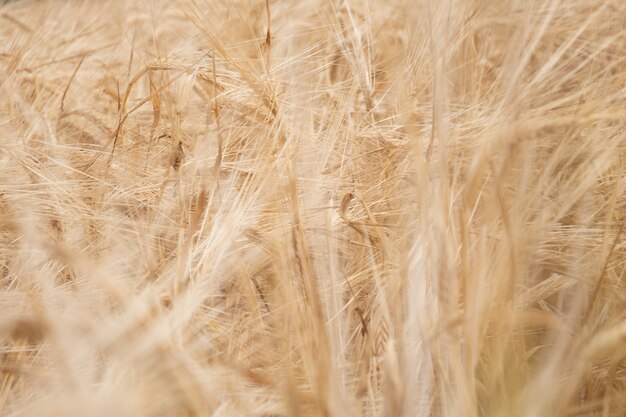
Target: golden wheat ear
<point>312,208</point>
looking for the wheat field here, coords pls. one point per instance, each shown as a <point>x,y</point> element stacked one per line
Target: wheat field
<point>301,208</point>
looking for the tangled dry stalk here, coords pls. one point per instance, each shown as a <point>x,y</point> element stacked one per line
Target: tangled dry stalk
<point>312,208</point>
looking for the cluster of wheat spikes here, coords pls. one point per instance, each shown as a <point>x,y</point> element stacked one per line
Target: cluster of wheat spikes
<point>301,208</point>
